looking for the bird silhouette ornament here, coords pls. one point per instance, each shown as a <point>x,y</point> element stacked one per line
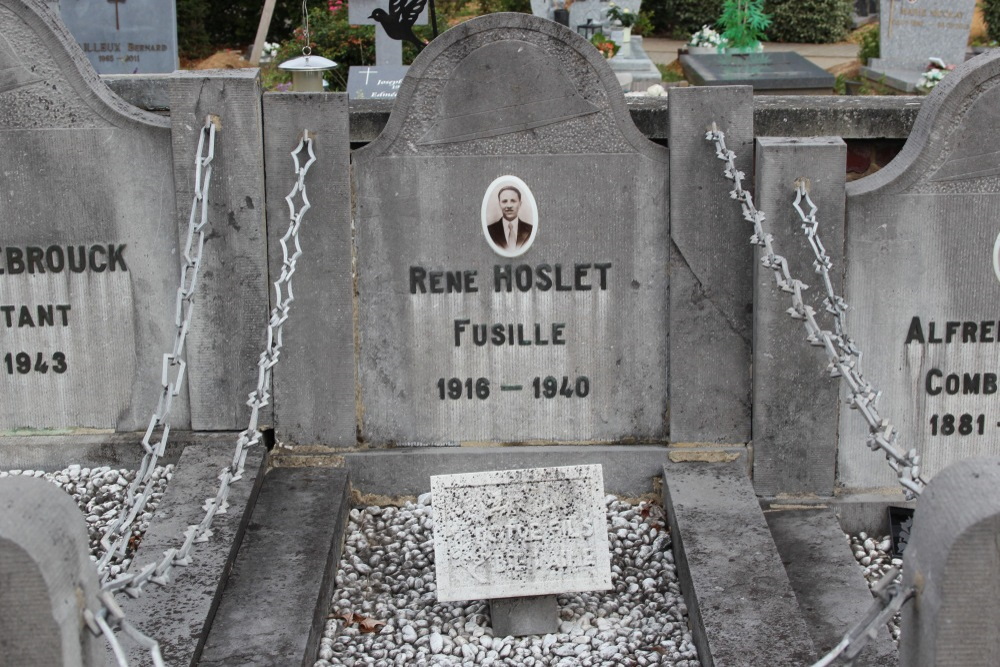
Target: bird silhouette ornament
<point>398,21</point>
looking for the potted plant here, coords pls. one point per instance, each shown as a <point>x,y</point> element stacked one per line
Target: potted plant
<point>624,17</point>
<point>704,41</point>
<point>607,48</point>
<point>743,23</point>
<point>935,72</point>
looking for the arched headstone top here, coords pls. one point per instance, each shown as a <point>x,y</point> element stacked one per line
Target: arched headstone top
<point>47,81</point>
<point>510,84</point>
<point>954,146</point>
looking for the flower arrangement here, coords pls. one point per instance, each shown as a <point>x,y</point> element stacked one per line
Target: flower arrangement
<point>707,37</point>
<point>935,72</point>
<point>623,15</point>
<point>607,48</point>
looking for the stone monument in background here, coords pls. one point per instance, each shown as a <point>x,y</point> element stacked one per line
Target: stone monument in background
<point>124,36</point>
<point>913,31</point>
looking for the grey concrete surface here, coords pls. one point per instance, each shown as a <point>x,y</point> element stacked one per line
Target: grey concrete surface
<point>288,560</point>
<point>516,617</point>
<point>178,615</point>
<point>740,603</point>
<point>829,586</point>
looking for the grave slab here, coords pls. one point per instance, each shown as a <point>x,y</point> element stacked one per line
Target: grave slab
<point>517,617</point>
<point>124,37</point>
<point>632,59</point>
<point>783,72</point>
<point>557,336</point>
<point>796,411</point>
<point>519,533</point>
<point>313,386</point>
<point>830,589</point>
<point>288,558</point>
<point>710,269</point>
<point>90,253</point>
<point>192,596</point>
<point>925,280</point>
<point>740,604</point>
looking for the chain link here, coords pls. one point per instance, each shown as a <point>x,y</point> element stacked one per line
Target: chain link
<point>843,355</point>
<point>110,615</point>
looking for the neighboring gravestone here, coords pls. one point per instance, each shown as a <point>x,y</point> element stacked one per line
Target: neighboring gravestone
<point>924,282</point>
<point>913,31</point>
<point>388,50</point>
<point>582,11</point>
<point>375,83</point>
<point>124,36</point>
<point>553,331</point>
<point>784,72</point>
<point>520,534</point>
<point>89,262</point>
<point>48,580</point>
<point>632,60</point>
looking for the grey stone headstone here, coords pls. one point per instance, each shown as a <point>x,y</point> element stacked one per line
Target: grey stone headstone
<point>227,332</point>
<point>375,83</point>
<point>711,287</point>
<point>952,561</point>
<point>795,401</point>
<point>924,282</point>
<point>913,31</point>
<point>779,71</point>
<point>48,579</point>
<point>314,392</point>
<point>124,36</point>
<point>388,51</point>
<point>520,533</point>
<point>566,333</point>
<point>89,256</point>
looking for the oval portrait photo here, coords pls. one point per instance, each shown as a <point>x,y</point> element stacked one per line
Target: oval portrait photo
<point>509,216</point>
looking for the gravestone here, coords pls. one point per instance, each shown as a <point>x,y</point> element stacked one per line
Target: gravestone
<point>913,31</point>
<point>89,260</point>
<point>375,83</point>
<point>518,534</point>
<point>783,73</point>
<point>469,334</point>
<point>924,282</point>
<point>124,36</point>
<point>388,51</point>
<point>632,60</point>
<point>582,11</point>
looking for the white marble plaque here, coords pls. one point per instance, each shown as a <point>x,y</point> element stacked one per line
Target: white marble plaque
<point>514,533</point>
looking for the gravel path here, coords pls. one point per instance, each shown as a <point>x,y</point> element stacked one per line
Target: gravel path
<point>385,611</point>
<point>872,553</point>
<point>100,493</point>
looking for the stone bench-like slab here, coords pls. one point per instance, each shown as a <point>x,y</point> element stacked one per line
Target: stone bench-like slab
<point>276,599</point>
<point>829,586</point>
<point>740,603</point>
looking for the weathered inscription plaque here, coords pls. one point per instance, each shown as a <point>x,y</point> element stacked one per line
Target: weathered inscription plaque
<point>520,533</point>
<point>924,282</point>
<point>89,249</point>
<point>124,36</point>
<point>512,234</point>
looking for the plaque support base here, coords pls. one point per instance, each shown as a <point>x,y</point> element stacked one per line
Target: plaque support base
<point>516,617</point>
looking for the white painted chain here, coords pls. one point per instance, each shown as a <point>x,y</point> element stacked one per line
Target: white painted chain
<point>110,615</point>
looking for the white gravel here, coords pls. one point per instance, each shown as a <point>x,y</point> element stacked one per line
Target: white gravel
<point>386,575</point>
<point>100,494</point>
<point>873,554</point>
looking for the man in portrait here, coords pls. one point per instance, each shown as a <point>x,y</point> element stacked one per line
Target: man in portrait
<point>509,233</point>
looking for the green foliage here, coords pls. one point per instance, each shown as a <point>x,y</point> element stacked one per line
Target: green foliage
<point>192,37</point>
<point>810,21</point>
<point>682,17</point>
<point>743,23</point>
<point>868,46</point>
<point>991,14</point>
<point>204,26</point>
<point>644,26</point>
<point>493,6</point>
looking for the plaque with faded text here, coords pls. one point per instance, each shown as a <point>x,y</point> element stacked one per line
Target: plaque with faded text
<point>124,36</point>
<point>516,533</point>
<point>511,240</point>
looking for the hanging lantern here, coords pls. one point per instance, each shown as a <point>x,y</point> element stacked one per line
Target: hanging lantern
<point>307,71</point>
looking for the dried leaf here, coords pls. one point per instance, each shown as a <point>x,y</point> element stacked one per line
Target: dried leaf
<point>370,624</point>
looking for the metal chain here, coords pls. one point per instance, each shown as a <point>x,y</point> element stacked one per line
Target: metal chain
<point>890,596</point>
<point>160,572</point>
<point>843,355</point>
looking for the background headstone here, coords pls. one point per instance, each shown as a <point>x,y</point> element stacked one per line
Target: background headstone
<point>388,51</point>
<point>375,83</point>
<point>518,533</point>
<point>912,31</point>
<point>584,305</point>
<point>124,36</point>
<point>89,258</point>
<point>923,282</point>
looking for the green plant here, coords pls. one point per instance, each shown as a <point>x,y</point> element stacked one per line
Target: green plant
<point>493,6</point>
<point>868,44</point>
<point>743,23</point>
<point>607,48</point>
<point>991,14</point>
<point>623,15</point>
<point>192,37</point>
<point>680,18</point>
<point>669,75</point>
<point>644,25</point>
<point>809,21</point>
